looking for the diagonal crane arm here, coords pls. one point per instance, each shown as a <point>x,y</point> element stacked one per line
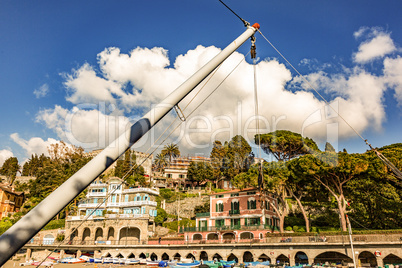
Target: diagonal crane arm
<point>26,228</point>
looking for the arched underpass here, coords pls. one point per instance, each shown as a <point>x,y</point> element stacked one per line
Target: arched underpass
<point>392,259</point>
<point>332,257</point>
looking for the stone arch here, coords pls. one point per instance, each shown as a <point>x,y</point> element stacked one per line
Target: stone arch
<point>86,235</point>
<point>392,259</point>
<point>301,258</point>
<point>261,236</point>
<point>233,257</point>
<point>142,256</point>
<point>129,235</point>
<point>131,255</point>
<point>203,256</point>
<point>177,256</point>
<point>165,257</point>
<point>212,236</point>
<point>110,234</point>
<point>98,234</point>
<point>107,255</point>
<point>74,235</point>
<point>332,257</point>
<point>190,256</point>
<point>248,256</point>
<point>119,256</point>
<point>217,257</point>
<point>246,235</point>
<point>197,236</point>
<point>367,257</point>
<point>228,236</point>
<point>282,259</point>
<point>264,257</point>
<point>153,256</point>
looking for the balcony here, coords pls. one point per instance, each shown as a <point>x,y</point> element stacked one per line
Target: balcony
<point>91,205</point>
<point>234,212</point>
<point>141,190</point>
<point>205,214</point>
<point>100,194</point>
<point>228,228</point>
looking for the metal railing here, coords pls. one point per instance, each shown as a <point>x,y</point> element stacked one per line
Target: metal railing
<point>228,228</point>
<point>395,238</point>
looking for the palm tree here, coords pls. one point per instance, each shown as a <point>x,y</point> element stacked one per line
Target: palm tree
<point>171,150</point>
<point>160,162</point>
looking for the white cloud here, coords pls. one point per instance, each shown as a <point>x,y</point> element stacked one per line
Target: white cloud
<point>393,76</point>
<point>377,46</point>
<point>4,155</point>
<point>41,91</point>
<point>132,82</point>
<point>34,145</point>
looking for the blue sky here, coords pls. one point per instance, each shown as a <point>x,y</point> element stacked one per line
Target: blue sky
<point>71,69</point>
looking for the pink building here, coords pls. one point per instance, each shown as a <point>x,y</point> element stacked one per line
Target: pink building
<point>234,216</point>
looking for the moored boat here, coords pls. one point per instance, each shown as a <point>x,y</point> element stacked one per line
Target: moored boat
<point>131,261</point>
<point>191,264</point>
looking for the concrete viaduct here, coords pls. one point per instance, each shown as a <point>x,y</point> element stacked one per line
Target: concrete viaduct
<point>377,251</point>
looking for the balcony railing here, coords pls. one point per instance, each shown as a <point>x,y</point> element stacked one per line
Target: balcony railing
<point>142,190</point>
<point>119,204</point>
<point>228,228</point>
<point>204,214</point>
<point>95,194</point>
<point>108,216</point>
<point>234,212</point>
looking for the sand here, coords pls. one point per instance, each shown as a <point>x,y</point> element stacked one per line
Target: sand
<point>12,264</point>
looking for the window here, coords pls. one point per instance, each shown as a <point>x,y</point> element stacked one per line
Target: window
<point>236,194</point>
<point>252,221</point>
<point>219,207</point>
<point>219,223</point>
<point>169,175</point>
<point>251,204</point>
<point>219,196</point>
<point>250,193</point>
<point>126,198</point>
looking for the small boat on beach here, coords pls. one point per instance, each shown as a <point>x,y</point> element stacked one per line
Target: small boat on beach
<point>190,264</point>
<point>131,261</point>
<point>107,260</point>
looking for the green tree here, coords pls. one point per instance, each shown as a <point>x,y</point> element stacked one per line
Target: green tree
<point>239,157</point>
<point>160,162</point>
<point>200,172</point>
<point>333,171</point>
<point>64,161</point>
<point>170,151</point>
<point>217,156</point>
<point>127,168</point>
<point>275,182</point>
<point>161,216</point>
<point>329,148</point>
<point>30,168</point>
<point>285,145</point>
<point>375,195</point>
<point>10,168</point>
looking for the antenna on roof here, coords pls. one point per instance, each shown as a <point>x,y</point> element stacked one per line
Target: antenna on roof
<point>246,23</point>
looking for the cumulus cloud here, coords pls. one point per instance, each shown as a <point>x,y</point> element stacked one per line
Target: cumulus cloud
<point>41,91</point>
<point>377,45</point>
<point>128,84</point>
<point>34,145</point>
<point>393,76</point>
<point>4,155</point>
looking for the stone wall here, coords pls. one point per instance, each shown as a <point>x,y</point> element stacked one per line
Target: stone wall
<point>186,206</point>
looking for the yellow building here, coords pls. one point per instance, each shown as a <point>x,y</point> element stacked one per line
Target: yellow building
<point>10,200</point>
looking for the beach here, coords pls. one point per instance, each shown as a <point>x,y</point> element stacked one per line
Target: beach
<point>11,264</point>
